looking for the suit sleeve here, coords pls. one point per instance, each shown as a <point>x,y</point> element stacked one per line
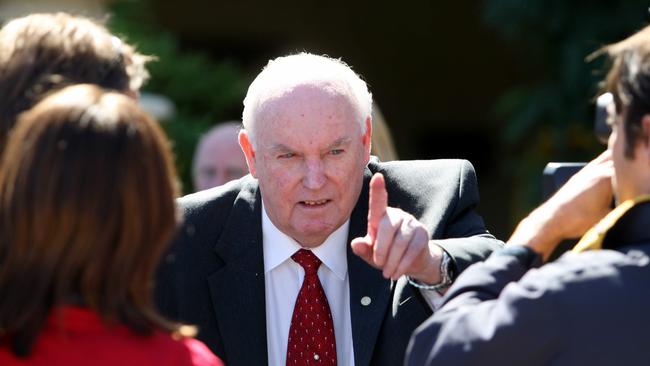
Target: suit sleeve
<point>467,240</point>
<point>492,316</point>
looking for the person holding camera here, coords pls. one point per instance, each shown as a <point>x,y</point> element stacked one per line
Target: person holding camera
<point>590,307</point>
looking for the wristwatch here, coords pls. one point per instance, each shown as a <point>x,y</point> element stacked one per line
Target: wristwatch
<point>446,275</point>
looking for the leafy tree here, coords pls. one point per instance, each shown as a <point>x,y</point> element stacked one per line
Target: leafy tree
<point>205,91</point>
<point>549,116</point>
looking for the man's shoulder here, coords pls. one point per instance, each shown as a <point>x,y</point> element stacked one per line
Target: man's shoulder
<point>421,167</point>
<point>218,199</point>
<point>604,263</point>
<point>424,170</point>
<point>599,272</point>
<point>444,177</point>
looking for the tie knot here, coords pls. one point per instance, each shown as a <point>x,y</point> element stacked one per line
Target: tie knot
<point>308,260</point>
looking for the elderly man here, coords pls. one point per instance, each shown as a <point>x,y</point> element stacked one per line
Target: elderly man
<point>586,308</point>
<point>308,260</point>
<point>218,159</point>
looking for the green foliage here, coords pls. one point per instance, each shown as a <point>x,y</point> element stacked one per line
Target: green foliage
<point>205,91</point>
<point>550,115</point>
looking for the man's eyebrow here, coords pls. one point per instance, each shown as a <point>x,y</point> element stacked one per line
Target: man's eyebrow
<point>340,141</point>
<point>280,147</point>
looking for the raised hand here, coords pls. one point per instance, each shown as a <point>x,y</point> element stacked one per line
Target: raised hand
<point>577,206</point>
<point>396,242</point>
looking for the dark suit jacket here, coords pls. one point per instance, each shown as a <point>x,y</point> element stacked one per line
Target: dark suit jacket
<point>214,274</point>
<point>588,308</point>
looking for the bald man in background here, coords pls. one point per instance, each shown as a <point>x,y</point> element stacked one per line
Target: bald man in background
<point>218,158</point>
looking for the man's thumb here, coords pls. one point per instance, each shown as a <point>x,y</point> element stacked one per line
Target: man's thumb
<point>363,248</point>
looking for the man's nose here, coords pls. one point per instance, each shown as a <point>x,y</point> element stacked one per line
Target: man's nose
<point>314,174</point>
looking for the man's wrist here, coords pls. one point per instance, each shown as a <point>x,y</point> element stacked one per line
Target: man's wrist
<point>445,274</point>
<point>526,255</point>
<point>539,231</point>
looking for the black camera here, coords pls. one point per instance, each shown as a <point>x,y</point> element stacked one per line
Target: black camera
<point>556,174</point>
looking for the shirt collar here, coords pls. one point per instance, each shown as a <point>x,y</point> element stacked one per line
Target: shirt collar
<point>278,247</point>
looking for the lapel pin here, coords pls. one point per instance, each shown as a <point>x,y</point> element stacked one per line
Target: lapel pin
<point>365,301</point>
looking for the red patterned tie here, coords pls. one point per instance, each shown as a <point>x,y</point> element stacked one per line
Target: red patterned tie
<point>311,336</point>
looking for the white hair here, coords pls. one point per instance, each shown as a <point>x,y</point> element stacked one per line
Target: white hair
<point>284,73</point>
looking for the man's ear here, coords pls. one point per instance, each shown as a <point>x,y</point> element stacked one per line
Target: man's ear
<point>249,151</point>
<point>366,139</point>
<point>645,133</point>
<point>645,128</point>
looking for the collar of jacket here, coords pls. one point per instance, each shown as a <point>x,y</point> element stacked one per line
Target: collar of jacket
<point>627,224</point>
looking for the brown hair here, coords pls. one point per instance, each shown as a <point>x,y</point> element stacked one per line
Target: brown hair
<point>87,189</point>
<point>39,52</point>
<point>629,81</point>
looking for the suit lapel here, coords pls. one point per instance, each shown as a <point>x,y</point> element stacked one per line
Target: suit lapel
<point>237,289</point>
<point>365,283</point>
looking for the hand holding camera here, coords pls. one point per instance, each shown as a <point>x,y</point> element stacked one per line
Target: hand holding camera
<point>577,206</point>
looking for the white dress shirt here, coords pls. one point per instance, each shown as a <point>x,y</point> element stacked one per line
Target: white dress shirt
<point>283,278</point>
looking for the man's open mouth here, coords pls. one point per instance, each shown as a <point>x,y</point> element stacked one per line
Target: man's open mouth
<point>314,202</point>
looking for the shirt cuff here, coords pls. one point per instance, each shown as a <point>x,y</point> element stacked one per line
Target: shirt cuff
<point>432,297</point>
<point>524,254</point>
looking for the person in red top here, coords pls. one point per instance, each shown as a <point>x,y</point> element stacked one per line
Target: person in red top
<point>87,189</point>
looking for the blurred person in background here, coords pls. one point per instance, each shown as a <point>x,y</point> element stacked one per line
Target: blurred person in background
<point>383,145</point>
<point>87,189</point>
<point>42,52</point>
<point>218,158</point>
<point>590,307</point>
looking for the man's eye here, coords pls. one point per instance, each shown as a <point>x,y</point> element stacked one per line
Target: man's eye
<point>336,151</point>
<point>286,156</point>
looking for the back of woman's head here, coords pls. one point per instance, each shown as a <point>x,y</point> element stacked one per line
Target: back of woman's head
<point>40,52</point>
<point>87,190</point>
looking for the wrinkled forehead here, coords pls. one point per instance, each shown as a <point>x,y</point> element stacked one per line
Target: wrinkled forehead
<point>308,100</point>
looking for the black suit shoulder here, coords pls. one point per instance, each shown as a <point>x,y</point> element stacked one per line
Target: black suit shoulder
<point>192,253</point>
<point>408,172</point>
<point>414,183</point>
<point>213,201</point>
<point>206,212</point>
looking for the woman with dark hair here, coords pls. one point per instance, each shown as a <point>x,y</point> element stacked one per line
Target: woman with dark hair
<point>87,189</point>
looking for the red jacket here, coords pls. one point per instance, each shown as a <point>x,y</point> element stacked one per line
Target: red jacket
<point>77,336</point>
